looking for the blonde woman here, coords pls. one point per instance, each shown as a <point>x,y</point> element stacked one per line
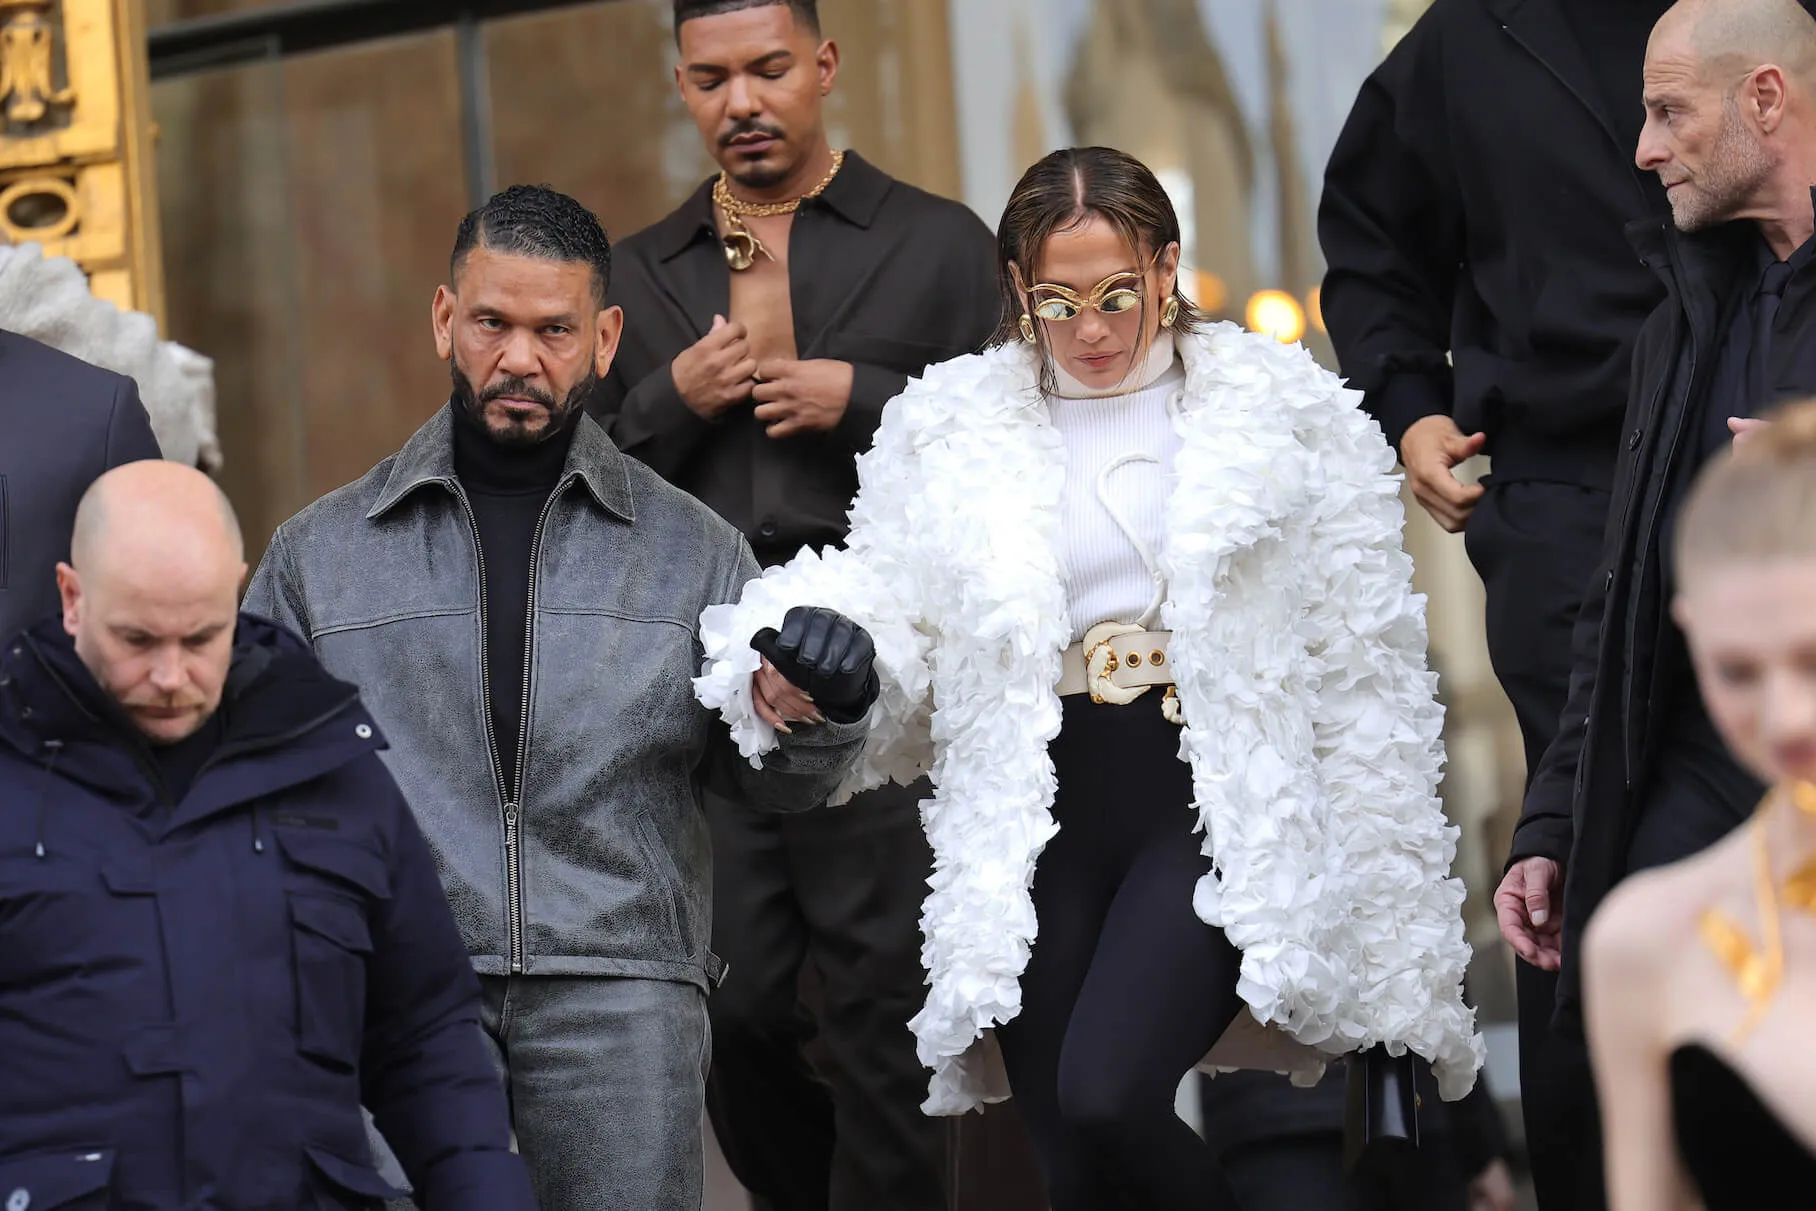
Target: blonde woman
<point>1701,975</point>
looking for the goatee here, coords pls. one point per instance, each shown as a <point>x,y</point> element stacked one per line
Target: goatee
<point>471,405</point>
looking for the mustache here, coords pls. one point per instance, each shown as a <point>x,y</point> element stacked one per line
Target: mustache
<point>749,126</point>
<point>185,703</point>
<point>516,388</point>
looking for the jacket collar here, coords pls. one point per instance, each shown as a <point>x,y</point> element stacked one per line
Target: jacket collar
<point>855,195</point>
<point>428,458</point>
<point>277,706</point>
<point>1703,259</point>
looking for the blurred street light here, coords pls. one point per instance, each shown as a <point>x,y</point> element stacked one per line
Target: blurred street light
<point>1277,314</point>
<point>1208,291</point>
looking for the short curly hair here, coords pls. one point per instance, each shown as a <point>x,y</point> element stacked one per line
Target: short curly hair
<point>807,12</point>
<point>536,221</point>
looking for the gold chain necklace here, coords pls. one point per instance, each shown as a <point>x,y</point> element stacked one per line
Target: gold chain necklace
<point>741,245</point>
<point>1760,971</point>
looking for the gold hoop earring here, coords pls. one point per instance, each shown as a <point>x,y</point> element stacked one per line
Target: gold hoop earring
<point>1169,316</point>
<point>1027,327</point>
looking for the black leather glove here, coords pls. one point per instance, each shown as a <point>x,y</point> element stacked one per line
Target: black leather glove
<point>828,656</point>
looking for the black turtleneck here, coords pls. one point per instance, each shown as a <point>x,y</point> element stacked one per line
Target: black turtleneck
<point>1612,35</point>
<point>508,486</point>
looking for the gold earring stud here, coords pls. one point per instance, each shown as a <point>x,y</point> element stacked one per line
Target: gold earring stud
<point>1171,315</point>
<point>1027,327</point>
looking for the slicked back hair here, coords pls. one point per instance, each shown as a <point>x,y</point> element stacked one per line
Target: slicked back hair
<point>536,221</point>
<point>1064,190</point>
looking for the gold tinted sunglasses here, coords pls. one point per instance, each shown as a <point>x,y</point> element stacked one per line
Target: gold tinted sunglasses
<point>1116,294</point>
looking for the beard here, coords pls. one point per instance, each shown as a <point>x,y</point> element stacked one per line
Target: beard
<point>1731,176</point>
<point>514,432</point>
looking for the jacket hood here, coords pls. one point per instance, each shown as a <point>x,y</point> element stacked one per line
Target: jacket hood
<point>277,708</point>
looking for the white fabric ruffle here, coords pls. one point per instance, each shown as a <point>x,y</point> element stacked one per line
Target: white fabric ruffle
<point>47,299</point>
<point>1299,648</point>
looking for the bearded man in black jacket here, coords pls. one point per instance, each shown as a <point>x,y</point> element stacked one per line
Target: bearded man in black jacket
<point>1636,776</point>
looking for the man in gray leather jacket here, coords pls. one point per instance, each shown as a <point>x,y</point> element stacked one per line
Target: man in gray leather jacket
<point>519,604</point>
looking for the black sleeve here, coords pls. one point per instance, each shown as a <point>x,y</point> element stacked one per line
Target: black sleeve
<point>1391,227</point>
<point>651,422</point>
<point>872,387</point>
<point>637,403</point>
<point>129,435</point>
<point>425,1075</point>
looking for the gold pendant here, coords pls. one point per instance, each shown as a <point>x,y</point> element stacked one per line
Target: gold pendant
<point>740,250</point>
<point>1730,944</point>
<point>1800,889</point>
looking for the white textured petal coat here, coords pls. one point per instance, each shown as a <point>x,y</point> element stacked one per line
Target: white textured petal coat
<point>1299,647</point>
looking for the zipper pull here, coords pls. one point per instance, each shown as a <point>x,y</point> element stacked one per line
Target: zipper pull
<point>510,817</point>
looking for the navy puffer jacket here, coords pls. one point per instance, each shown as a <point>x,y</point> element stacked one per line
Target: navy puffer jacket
<point>196,996</point>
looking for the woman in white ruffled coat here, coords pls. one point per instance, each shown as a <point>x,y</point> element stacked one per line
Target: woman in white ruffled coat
<point>1141,609</point>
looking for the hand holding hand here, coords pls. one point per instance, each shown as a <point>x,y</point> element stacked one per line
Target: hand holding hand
<point>802,397</point>
<point>820,664</point>
<point>1527,906</point>
<point>1431,447</point>
<point>715,373</point>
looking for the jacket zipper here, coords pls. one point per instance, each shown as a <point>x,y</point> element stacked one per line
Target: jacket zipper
<point>512,802</point>
<point>512,870</point>
<point>512,841</point>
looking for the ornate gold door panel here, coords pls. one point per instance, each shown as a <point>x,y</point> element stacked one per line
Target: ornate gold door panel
<point>75,143</point>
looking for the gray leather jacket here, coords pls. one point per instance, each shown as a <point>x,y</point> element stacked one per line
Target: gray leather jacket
<point>599,863</point>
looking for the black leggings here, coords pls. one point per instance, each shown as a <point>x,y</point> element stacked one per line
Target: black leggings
<point>1127,988</point>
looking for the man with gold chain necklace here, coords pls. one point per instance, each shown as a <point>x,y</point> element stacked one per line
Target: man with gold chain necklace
<point>768,320</point>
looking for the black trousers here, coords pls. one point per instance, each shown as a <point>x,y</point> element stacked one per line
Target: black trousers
<point>1535,546</point>
<point>841,889</point>
<point>1126,988</point>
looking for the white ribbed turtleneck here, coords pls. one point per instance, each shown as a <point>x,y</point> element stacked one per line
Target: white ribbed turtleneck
<point>1120,446</point>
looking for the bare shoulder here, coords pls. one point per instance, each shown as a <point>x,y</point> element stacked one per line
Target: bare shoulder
<point>1651,919</point>
<point>1641,928</point>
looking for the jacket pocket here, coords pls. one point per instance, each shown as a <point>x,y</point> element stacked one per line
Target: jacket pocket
<point>331,861</point>
<point>57,918</point>
<point>664,880</point>
<point>331,941</point>
<point>73,1180</point>
<point>339,1184</point>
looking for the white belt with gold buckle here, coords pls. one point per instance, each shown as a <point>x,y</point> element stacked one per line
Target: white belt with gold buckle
<point>1116,663</point>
